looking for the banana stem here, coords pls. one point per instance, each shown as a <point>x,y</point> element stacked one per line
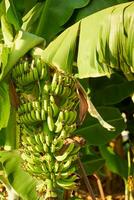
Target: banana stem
<point>87,183</point>
<point>10,140</point>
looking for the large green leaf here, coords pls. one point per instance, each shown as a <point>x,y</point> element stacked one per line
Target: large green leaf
<point>4,105</point>
<point>102,44</point>
<point>22,183</point>
<point>7,31</point>
<point>95,134</point>
<point>4,55</point>
<point>95,6</point>
<point>114,162</point>
<point>11,14</point>
<point>109,91</point>
<point>55,14</point>
<point>106,43</point>
<point>92,163</point>
<point>31,17</point>
<point>19,49</point>
<point>23,6</point>
<point>64,55</point>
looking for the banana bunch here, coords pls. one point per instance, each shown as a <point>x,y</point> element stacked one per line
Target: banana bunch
<point>47,123</point>
<point>28,70</point>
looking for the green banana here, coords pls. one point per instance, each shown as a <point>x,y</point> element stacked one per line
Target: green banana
<point>60,117</point>
<point>67,183</point>
<point>72,116</point>
<point>55,109</point>
<point>26,66</point>
<point>46,88</point>
<point>29,106</point>
<point>21,68</point>
<point>31,140</point>
<point>45,147</point>
<point>47,133</point>
<point>62,135</point>
<point>53,105</point>
<point>66,153</point>
<point>53,149</point>
<point>66,115</point>
<point>35,74</point>
<point>31,76</point>
<point>57,90</point>
<point>38,148</point>
<point>24,139</point>
<point>33,115</point>
<point>44,168</point>
<point>67,173</point>
<point>28,130</point>
<point>20,109</point>
<point>58,143</point>
<point>38,65</point>
<point>65,165</point>
<point>25,118</point>
<point>50,123</point>
<point>42,75</point>
<point>68,105</point>
<point>37,139</point>
<point>48,139</point>
<point>56,167</point>
<point>32,65</point>
<point>75,150</point>
<point>37,114</point>
<point>54,82</point>
<point>27,158</point>
<point>43,114</point>
<point>64,91</point>
<point>30,120</point>
<point>59,127</point>
<point>60,78</point>
<point>70,128</point>
<point>36,170</point>
<point>37,160</point>
<point>41,137</point>
<point>36,105</point>
<point>45,105</point>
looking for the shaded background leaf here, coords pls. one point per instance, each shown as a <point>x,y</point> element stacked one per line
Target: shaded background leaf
<point>94,6</point>
<point>55,14</point>
<point>95,134</point>
<point>92,163</point>
<point>114,162</point>
<point>111,91</point>
<point>11,14</point>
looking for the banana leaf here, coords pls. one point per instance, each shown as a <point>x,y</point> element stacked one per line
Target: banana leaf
<point>114,162</point>
<point>54,15</point>
<point>94,133</point>
<point>21,182</point>
<point>106,91</point>
<point>95,6</point>
<point>105,44</point>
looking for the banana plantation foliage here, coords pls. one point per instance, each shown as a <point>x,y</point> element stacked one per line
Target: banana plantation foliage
<point>66,98</point>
